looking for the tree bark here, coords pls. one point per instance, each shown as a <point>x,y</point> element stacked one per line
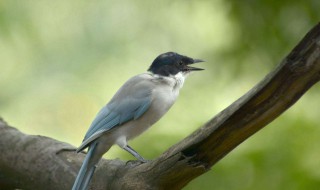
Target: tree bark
<point>37,162</point>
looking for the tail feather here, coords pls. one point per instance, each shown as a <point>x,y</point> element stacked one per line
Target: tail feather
<point>86,171</point>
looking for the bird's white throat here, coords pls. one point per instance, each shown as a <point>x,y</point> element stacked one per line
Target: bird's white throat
<point>180,78</point>
<point>176,80</point>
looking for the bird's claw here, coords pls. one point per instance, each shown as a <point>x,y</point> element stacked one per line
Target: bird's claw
<point>136,162</point>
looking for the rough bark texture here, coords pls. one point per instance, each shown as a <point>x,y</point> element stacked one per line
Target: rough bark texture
<point>36,162</point>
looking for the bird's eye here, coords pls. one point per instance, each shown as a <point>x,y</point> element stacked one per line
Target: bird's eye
<point>180,63</point>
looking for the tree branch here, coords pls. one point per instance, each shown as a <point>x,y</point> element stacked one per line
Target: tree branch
<point>35,162</point>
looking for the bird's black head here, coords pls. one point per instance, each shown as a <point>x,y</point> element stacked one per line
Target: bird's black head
<point>171,63</point>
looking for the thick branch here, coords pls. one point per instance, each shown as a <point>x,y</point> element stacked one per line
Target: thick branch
<point>35,162</point>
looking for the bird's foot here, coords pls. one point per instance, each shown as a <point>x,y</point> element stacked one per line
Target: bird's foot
<point>136,162</point>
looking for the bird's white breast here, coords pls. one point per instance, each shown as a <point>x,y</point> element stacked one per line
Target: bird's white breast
<point>164,94</point>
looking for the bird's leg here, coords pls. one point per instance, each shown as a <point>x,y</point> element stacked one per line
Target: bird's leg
<point>134,153</point>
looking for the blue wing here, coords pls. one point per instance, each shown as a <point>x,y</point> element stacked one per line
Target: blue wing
<point>131,101</point>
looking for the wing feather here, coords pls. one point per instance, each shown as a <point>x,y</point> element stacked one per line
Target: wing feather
<point>130,102</point>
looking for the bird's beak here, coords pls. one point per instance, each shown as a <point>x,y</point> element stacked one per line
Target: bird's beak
<point>195,68</point>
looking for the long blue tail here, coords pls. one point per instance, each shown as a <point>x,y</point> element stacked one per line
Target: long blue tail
<point>86,171</point>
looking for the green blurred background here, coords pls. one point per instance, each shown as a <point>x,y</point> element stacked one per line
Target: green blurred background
<point>61,61</point>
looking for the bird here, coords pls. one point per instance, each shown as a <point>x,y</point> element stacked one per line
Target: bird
<point>135,107</point>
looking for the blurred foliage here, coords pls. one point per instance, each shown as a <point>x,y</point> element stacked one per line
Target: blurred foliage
<point>63,60</point>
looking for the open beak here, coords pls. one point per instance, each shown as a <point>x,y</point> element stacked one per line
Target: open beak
<point>195,68</point>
